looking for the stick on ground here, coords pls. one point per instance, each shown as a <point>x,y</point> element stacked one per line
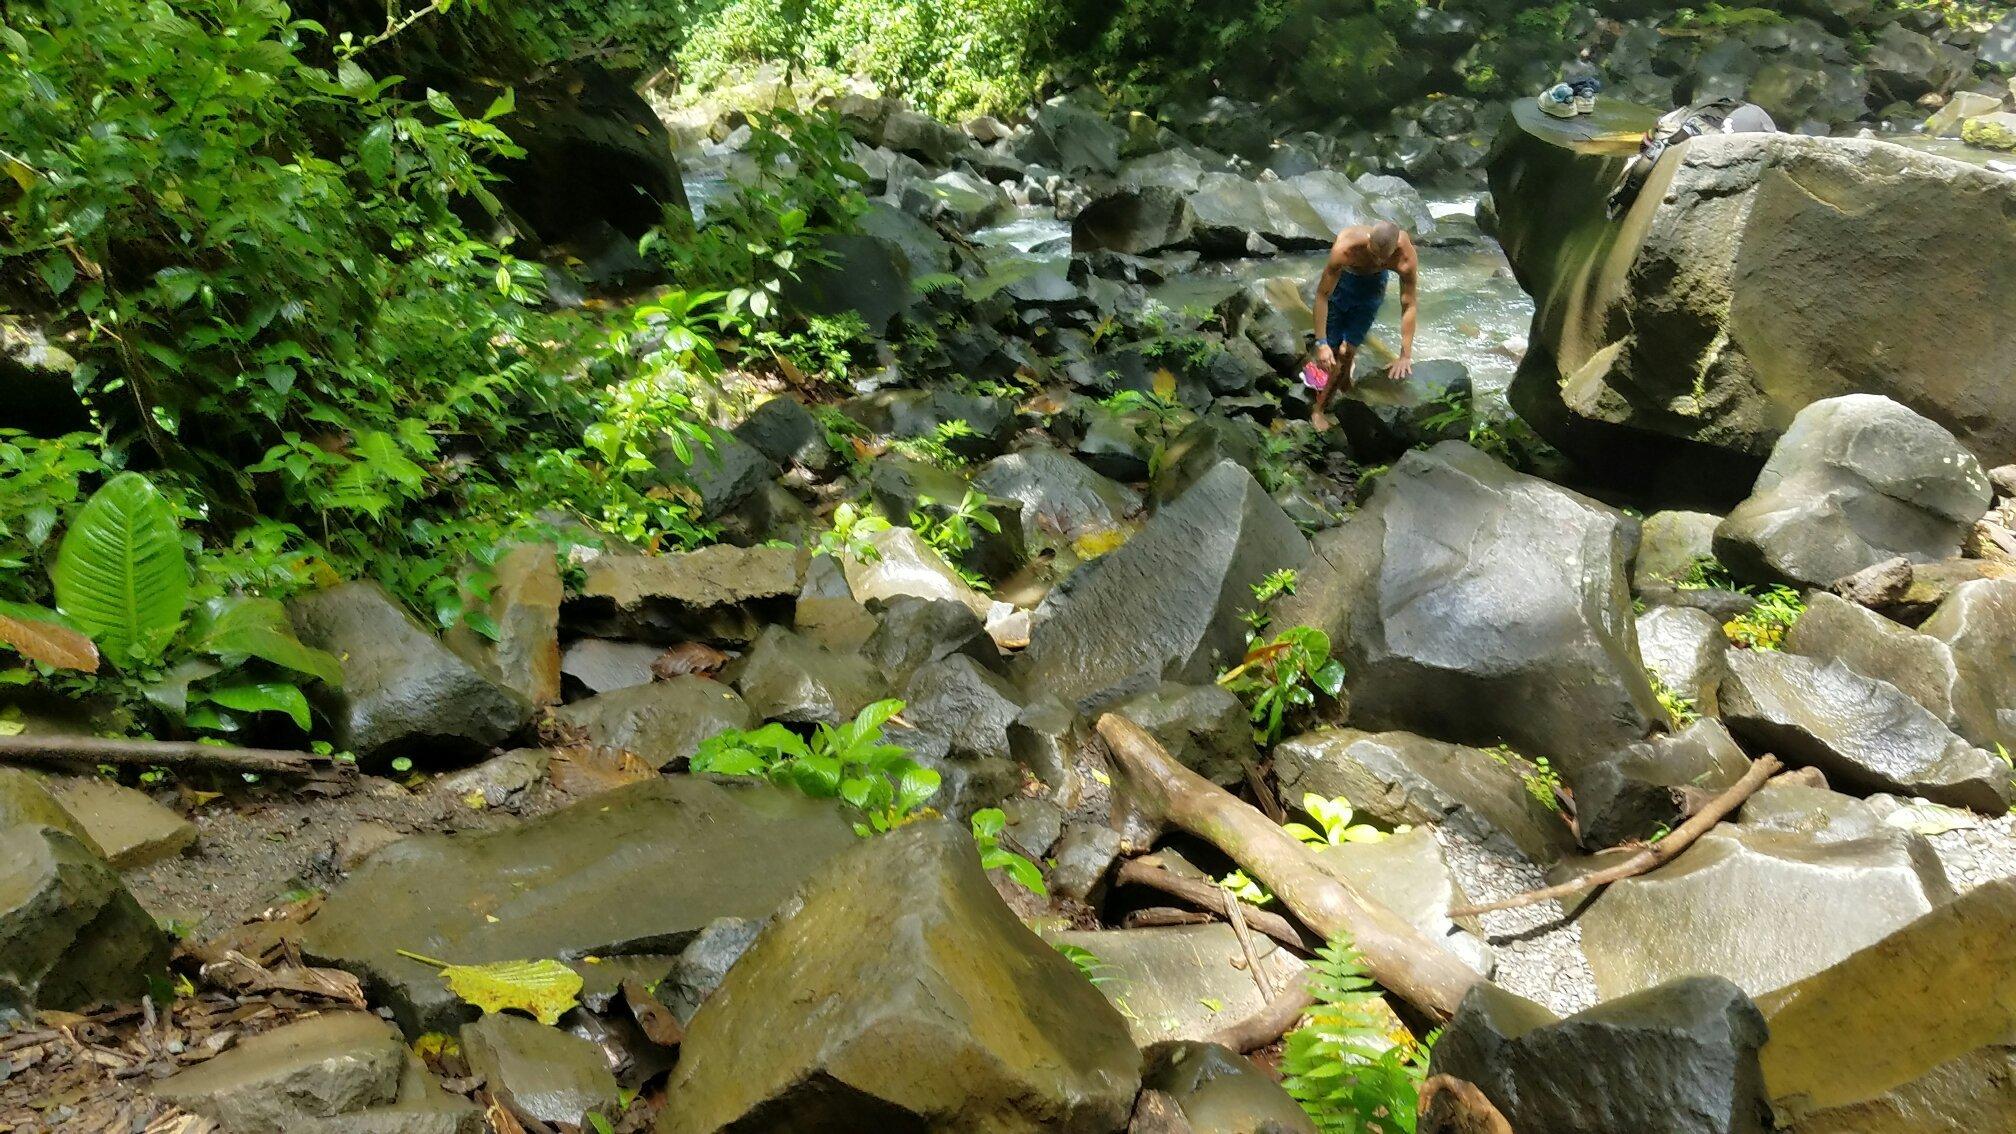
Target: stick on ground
<point>168,754</point>
<point>1652,857</point>
<point>1400,957</point>
<point>1211,898</point>
<point>1272,1021</point>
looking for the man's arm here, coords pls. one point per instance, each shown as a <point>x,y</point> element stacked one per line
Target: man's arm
<point>1410,275</point>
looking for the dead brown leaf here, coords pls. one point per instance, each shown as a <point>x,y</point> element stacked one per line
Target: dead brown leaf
<point>688,658</point>
<point>660,1025</point>
<point>583,770</point>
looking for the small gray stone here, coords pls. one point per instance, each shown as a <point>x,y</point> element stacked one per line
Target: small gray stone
<point>1081,860</point>
<point>72,934</point>
<point>538,1072</point>
<point>500,779</point>
<point>704,963</point>
<point>784,677</point>
<point>130,828</point>
<point>1684,649</point>
<point>605,666</point>
<point>333,1064</point>
<point>662,723</point>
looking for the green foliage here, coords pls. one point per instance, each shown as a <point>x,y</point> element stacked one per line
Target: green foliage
<point>952,57</point>
<point>1349,1074</point>
<point>987,824</point>
<point>1763,627</point>
<point>1542,782</point>
<point>1678,705</point>
<point>952,531</point>
<point>849,537</point>
<point>1706,573</point>
<point>1335,817</point>
<point>1284,674</point>
<point>935,448</point>
<point>121,579</point>
<point>851,762</point>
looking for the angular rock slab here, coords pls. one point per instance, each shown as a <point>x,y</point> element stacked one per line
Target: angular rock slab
<point>1764,903</point>
<point>720,592</point>
<point>25,801</point>
<point>639,869</point>
<point>1219,1091</point>
<point>661,722</point>
<point>1856,480</point>
<point>1977,622</point>
<point>1167,604</point>
<point>901,994</point>
<point>1680,1058</point>
<point>1398,777</point>
<point>905,565</point>
<point>1684,648</point>
<point>128,826</point>
<point>1180,982</point>
<point>1923,667</point>
<point>402,689</point>
<point>785,677</point>
<point>1638,792</point>
<point>1915,1033</point>
<point>524,604</point>
<point>539,1072</point>
<point>1061,497</point>
<point>1473,603</point>
<point>1864,734</point>
<point>319,1067</point>
<point>70,934</point>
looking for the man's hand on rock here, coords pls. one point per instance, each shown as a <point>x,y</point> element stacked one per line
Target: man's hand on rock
<point>1401,368</point>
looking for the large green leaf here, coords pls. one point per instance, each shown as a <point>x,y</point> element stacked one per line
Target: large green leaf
<point>40,636</point>
<point>264,697</point>
<point>120,575</point>
<point>235,627</point>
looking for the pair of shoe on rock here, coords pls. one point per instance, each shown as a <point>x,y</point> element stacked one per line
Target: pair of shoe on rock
<point>1566,100</point>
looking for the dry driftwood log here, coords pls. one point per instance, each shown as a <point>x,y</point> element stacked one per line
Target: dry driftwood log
<point>1654,856</point>
<point>1398,956</point>
<point>169,754</point>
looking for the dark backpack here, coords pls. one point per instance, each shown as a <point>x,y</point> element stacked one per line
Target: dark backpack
<point>1714,116</point>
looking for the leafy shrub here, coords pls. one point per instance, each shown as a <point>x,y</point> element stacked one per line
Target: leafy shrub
<point>1349,1074</point>
<point>952,57</point>
<point>988,823</point>
<point>851,762</point>
<point>122,587</point>
<point>1763,627</point>
<point>1335,817</point>
<point>1284,674</point>
<point>952,531</point>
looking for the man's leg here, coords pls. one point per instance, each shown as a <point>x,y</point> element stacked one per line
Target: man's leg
<point>1340,376</point>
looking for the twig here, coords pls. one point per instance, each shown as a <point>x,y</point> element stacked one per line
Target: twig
<point>168,753</point>
<point>1239,930</point>
<point>1652,857</point>
<point>1272,1021</point>
<point>1207,896</point>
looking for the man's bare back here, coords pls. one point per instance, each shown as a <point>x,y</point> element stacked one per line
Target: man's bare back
<point>1348,297</point>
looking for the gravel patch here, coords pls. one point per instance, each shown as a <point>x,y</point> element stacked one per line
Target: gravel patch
<point>1974,856</point>
<point>1539,953</point>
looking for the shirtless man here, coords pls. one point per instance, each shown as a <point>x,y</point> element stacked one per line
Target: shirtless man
<point>1348,299</point>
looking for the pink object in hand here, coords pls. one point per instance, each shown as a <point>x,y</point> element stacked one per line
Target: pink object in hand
<point>1314,376</point>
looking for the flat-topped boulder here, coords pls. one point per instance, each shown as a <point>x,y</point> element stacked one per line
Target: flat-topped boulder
<point>639,869</point>
<point>1739,288</point>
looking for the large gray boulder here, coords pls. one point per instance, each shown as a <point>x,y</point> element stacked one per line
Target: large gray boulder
<point>1061,497</point>
<point>1756,273</point>
<point>1921,665</point>
<point>1399,778</point>
<point>1863,733</point>
<point>1977,622</point>
<point>1856,480</point>
<point>900,993</point>
<point>1680,1058</point>
<point>1069,137</point>
<point>403,692</point>
<point>788,677</point>
<point>661,722</point>
<point>1476,604</point>
<point>1138,222</point>
<point>588,879</point>
<point>1167,605</point>
<point>70,933</point>
<point>1806,878</point>
<point>1914,1033</point>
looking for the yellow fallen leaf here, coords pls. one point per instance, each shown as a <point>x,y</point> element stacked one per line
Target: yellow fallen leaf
<point>543,989</point>
<point>1165,384</point>
<point>474,801</point>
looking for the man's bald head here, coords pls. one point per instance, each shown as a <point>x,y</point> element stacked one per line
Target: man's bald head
<point>1384,239</point>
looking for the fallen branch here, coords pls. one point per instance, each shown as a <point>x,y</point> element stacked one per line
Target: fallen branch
<point>168,754</point>
<point>1652,857</point>
<point>1272,1021</point>
<point>1253,967</point>
<point>1452,1106</point>
<point>1211,898</point>
<point>1400,957</point>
